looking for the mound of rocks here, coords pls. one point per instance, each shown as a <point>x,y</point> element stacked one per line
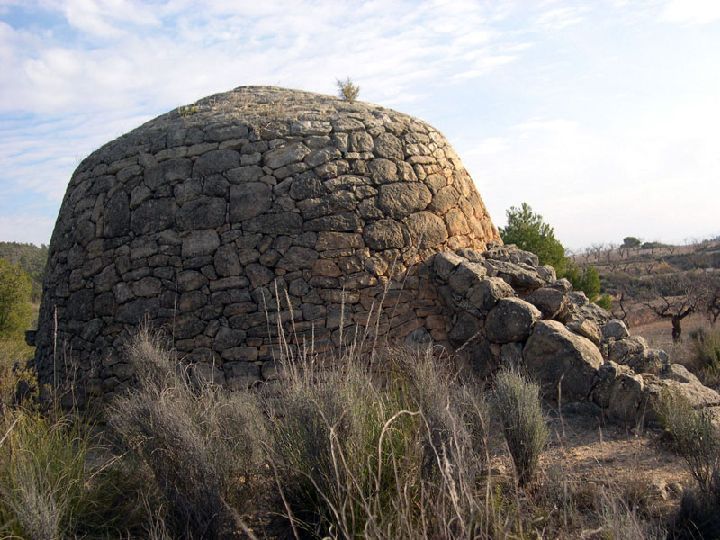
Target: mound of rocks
<point>504,309</point>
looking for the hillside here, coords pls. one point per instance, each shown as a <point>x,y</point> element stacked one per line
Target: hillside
<point>642,278</point>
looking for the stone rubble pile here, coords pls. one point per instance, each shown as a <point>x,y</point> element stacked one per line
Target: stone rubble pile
<point>505,309</point>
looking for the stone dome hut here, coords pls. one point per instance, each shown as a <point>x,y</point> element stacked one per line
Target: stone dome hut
<point>199,220</point>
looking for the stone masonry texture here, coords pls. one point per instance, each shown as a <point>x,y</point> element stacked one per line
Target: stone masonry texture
<point>218,219</point>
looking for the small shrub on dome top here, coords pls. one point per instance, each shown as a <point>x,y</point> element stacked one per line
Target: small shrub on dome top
<point>187,110</point>
<point>348,90</point>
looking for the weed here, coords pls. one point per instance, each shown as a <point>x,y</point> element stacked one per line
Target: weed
<point>694,437</point>
<point>348,90</point>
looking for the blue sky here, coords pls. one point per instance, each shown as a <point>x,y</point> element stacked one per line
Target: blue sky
<point>602,115</point>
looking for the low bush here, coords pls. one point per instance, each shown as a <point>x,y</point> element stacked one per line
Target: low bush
<point>200,442</point>
<point>693,436</point>
<point>516,401</point>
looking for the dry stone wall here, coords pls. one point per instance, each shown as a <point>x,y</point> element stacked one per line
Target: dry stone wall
<point>200,220</point>
<point>505,310</point>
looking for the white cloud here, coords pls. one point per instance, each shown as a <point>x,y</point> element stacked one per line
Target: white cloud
<point>559,18</point>
<point>691,12</point>
<point>113,62</point>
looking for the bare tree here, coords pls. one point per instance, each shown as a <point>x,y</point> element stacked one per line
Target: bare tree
<point>675,297</point>
<point>619,308</point>
<point>712,297</point>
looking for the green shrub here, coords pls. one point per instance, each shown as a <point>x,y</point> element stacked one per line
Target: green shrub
<point>517,406</point>
<point>585,279</point>
<point>15,307</point>
<point>530,232</point>
<point>605,301</point>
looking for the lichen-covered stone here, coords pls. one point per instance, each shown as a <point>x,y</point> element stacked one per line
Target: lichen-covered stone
<point>562,361</point>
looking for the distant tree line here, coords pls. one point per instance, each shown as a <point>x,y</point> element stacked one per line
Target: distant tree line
<point>15,292</point>
<point>632,242</point>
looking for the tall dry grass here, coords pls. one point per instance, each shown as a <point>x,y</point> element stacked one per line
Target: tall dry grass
<point>56,481</point>
<point>201,443</point>
<point>396,448</point>
<point>694,436</point>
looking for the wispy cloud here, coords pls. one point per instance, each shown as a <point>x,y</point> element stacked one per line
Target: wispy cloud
<point>582,109</point>
<point>98,67</point>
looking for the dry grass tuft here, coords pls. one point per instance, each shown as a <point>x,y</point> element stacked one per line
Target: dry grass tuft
<point>200,442</point>
<point>388,454</point>
<point>517,405</point>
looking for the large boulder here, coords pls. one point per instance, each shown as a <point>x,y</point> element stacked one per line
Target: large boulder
<point>510,320</point>
<point>551,302</point>
<point>485,293</point>
<point>564,363</point>
<point>615,329</point>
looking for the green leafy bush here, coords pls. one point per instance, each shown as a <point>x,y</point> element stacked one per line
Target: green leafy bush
<point>15,308</point>
<point>605,301</point>
<point>585,279</point>
<point>529,231</point>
